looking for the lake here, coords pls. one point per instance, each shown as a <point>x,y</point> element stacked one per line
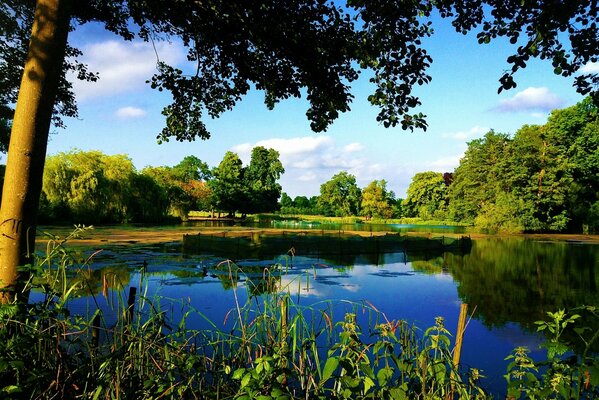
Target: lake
<point>508,282</point>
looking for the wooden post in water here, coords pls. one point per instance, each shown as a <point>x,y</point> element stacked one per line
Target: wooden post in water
<point>457,350</point>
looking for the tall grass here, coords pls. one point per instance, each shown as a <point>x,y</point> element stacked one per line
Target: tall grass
<point>272,348</point>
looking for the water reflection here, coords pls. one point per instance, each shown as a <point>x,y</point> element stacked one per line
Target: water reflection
<point>316,225</point>
<point>516,280</point>
<point>512,282</point>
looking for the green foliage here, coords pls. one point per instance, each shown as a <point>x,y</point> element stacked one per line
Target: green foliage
<point>94,187</point>
<point>237,46</point>
<point>300,205</point>
<point>476,178</point>
<point>377,202</point>
<point>148,201</point>
<point>544,179</point>
<point>426,196</point>
<point>593,218</point>
<point>340,196</point>
<point>227,185</point>
<point>526,24</point>
<point>562,375</point>
<point>16,18</point>
<point>501,216</point>
<point>260,180</point>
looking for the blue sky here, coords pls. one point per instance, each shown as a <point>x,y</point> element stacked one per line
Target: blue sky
<point>121,114</point>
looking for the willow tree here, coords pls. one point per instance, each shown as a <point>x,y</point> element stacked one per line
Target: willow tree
<point>285,48</point>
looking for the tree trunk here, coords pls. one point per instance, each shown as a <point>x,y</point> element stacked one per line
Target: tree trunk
<point>29,139</point>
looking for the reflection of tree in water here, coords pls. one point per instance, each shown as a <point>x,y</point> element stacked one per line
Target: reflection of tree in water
<point>264,285</point>
<point>436,265</point>
<point>260,279</point>
<point>88,282</point>
<point>511,279</point>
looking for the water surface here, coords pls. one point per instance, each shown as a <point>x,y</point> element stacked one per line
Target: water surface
<point>509,282</point>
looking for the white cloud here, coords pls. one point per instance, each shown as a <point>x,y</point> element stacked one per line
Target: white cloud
<point>123,66</point>
<point>446,164</point>
<point>530,99</point>
<point>590,68</point>
<point>312,159</point>
<point>307,177</point>
<point>475,131</point>
<point>298,145</point>
<point>353,147</point>
<point>130,112</point>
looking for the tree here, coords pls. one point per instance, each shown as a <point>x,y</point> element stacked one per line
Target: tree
<point>148,201</point>
<point>426,196</point>
<point>286,202</point>
<point>340,196</point>
<point>192,168</point>
<point>564,32</point>
<point>377,201</point>
<point>261,181</point>
<point>573,131</point>
<point>179,201</point>
<point>281,47</point>
<point>544,179</point>
<point>185,185</point>
<point>476,180</point>
<point>88,186</point>
<point>227,184</point>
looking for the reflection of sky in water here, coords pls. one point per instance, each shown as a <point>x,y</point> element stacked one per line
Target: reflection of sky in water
<point>393,286</point>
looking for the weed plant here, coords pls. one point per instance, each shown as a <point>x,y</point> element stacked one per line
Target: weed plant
<point>272,349</point>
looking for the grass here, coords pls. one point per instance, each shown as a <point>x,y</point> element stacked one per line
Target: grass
<point>333,220</point>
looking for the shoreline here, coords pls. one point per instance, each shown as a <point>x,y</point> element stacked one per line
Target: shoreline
<point>118,235</point>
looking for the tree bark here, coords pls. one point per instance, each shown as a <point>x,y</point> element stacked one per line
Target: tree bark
<point>29,139</point>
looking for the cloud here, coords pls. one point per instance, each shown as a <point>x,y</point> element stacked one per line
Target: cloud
<point>307,177</point>
<point>122,66</point>
<point>289,147</point>
<point>309,152</point>
<point>475,131</point>
<point>130,112</point>
<point>590,68</point>
<point>313,159</point>
<point>353,147</point>
<point>530,99</point>
<point>310,161</point>
<point>446,164</point>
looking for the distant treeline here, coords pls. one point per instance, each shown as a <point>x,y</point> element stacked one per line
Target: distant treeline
<point>544,178</point>
<point>92,187</point>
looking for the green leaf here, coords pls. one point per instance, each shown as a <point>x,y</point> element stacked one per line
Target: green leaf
<point>329,367</point>
<point>367,370</point>
<point>245,380</point>
<point>238,373</point>
<point>368,383</point>
<point>383,375</point>
<point>12,389</point>
<point>97,393</point>
<point>439,371</point>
